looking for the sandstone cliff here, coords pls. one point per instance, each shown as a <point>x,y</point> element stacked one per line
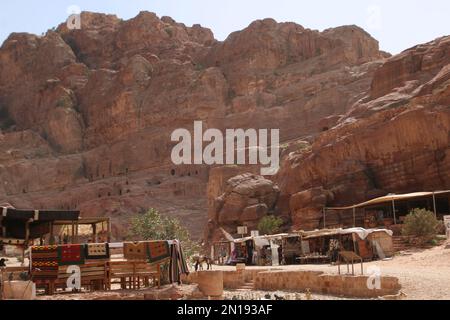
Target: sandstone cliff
<point>86,117</point>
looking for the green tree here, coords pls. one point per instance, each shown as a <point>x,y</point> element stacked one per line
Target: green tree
<point>269,225</point>
<point>151,225</point>
<point>422,224</point>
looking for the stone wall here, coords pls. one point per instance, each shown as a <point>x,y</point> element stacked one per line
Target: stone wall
<point>315,281</point>
<point>318,282</point>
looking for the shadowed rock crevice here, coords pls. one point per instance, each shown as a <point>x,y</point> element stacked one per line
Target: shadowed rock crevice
<point>90,113</point>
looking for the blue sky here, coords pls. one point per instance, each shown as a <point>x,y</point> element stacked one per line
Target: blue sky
<point>397,24</point>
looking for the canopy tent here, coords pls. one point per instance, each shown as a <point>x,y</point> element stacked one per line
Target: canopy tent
<point>18,227</point>
<point>361,232</point>
<point>260,238</point>
<point>390,200</point>
<point>31,224</point>
<point>80,227</point>
<point>9,213</point>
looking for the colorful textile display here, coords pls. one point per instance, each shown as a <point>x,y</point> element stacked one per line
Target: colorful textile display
<point>97,251</point>
<point>71,254</point>
<point>157,251</point>
<point>135,250</point>
<point>44,262</point>
<point>178,265</point>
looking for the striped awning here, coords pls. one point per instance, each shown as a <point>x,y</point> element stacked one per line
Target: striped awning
<point>9,213</point>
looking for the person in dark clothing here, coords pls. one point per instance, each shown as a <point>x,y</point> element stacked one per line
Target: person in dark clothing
<point>280,255</point>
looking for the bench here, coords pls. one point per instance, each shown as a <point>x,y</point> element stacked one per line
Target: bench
<point>93,277</point>
<point>133,274</point>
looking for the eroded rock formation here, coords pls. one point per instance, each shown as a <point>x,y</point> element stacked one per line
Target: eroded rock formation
<point>86,117</point>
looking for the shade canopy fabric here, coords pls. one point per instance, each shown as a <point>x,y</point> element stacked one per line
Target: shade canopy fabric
<point>38,215</point>
<point>361,232</point>
<point>389,198</point>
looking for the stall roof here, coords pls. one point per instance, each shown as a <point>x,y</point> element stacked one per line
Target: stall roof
<point>266,237</point>
<point>82,221</point>
<point>38,215</point>
<point>390,198</point>
<point>361,232</point>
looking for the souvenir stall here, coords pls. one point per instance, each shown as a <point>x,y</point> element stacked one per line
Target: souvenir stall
<point>242,251</point>
<point>292,249</point>
<point>221,252</point>
<point>323,246</point>
<point>92,266</point>
<point>266,250</point>
<point>262,254</point>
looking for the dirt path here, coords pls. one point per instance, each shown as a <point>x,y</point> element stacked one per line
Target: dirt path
<point>423,274</point>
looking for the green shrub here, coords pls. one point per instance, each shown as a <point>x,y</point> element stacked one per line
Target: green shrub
<point>422,224</point>
<point>151,225</point>
<point>269,225</point>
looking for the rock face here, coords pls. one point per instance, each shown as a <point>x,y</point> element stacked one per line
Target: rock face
<point>396,139</point>
<point>86,117</point>
<point>247,199</point>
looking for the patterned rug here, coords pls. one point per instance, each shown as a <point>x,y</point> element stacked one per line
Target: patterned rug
<point>157,251</point>
<point>135,250</point>
<point>44,262</point>
<point>71,254</point>
<point>97,251</point>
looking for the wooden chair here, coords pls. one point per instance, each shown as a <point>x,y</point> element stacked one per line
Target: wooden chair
<point>122,271</point>
<point>145,271</point>
<point>133,274</point>
<point>349,257</point>
<point>94,276</point>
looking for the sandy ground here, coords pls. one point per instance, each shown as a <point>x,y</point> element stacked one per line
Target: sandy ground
<point>423,274</point>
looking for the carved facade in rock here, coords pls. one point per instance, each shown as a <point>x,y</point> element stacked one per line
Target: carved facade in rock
<point>86,117</point>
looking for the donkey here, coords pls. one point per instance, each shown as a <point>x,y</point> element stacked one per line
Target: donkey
<point>200,260</point>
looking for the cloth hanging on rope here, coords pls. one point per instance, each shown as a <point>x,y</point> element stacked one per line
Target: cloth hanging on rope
<point>178,265</point>
<point>44,262</point>
<point>135,250</point>
<point>157,251</point>
<point>97,251</point>
<point>152,251</point>
<point>71,254</point>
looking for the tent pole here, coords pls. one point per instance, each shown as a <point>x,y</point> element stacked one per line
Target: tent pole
<point>76,232</point>
<point>94,233</point>
<point>52,236</point>
<point>354,217</point>
<point>393,211</point>
<point>73,233</point>
<point>109,229</point>
<point>434,204</point>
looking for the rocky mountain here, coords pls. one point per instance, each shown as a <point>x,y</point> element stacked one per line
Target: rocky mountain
<point>86,117</point>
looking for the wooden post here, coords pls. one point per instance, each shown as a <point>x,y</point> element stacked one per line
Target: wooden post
<point>158,266</point>
<point>51,241</point>
<point>72,240</point>
<point>27,239</point>
<point>76,232</point>
<point>94,232</point>
<point>434,205</point>
<point>1,226</point>
<point>393,211</point>
<point>362,268</point>
<point>354,217</point>
<point>108,229</point>
<point>324,210</point>
<point>27,231</point>
<point>339,263</point>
